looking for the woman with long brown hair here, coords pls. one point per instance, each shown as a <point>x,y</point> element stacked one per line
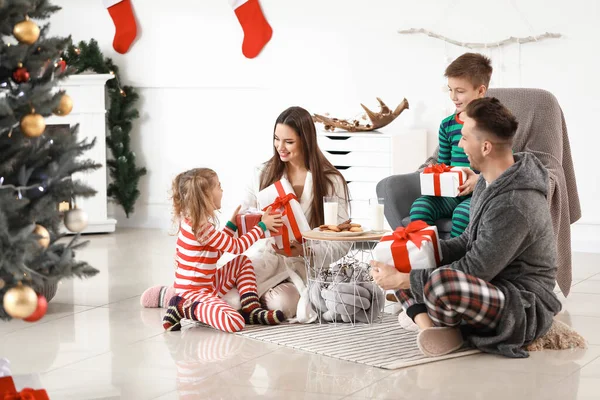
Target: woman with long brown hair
<point>296,157</point>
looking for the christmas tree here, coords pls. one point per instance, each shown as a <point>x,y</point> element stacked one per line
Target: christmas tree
<point>36,164</point>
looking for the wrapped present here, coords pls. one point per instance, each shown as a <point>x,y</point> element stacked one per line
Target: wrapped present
<point>413,247</point>
<point>281,198</point>
<point>442,180</point>
<point>245,223</point>
<point>8,391</point>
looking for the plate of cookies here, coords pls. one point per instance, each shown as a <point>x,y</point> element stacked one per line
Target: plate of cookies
<point>347,229</point>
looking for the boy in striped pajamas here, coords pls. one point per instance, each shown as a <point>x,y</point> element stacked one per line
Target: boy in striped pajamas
<point>468,79</point>
<point>199,285</point>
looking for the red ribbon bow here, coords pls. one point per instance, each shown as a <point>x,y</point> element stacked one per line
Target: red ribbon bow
<point>412,232</point>
<point>282,202</point>
<point>9,392</point>
<point>438,169</point>
<point>26,394</point>
<point>416,232</point>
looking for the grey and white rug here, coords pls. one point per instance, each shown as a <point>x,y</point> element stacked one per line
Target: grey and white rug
<point>383,345</point>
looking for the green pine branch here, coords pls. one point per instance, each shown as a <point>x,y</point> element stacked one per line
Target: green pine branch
<point>122,167</point>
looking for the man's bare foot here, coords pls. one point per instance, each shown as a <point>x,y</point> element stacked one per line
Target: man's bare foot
<point>423,321</point>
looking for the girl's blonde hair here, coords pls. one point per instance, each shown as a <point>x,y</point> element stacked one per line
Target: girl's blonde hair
<point>192,198</point>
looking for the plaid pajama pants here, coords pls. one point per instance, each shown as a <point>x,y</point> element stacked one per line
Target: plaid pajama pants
<point>451,297</point>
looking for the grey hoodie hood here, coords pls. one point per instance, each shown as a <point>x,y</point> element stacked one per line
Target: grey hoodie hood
<point>527,173</point>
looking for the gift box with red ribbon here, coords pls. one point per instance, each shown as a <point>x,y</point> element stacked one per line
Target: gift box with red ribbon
<point>413,247</point>
<point>442,180</point>
<point>9,392</point>
<point>281,198</point>
<point>245,223</point>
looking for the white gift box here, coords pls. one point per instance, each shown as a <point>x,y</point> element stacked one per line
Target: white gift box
<point>282,194</point>
<point>400,250</point>
<point>444,184</point>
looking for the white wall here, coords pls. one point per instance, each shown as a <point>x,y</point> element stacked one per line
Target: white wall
<point>203,103</point>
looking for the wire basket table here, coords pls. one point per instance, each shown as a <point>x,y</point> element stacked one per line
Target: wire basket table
<point>340,286</point>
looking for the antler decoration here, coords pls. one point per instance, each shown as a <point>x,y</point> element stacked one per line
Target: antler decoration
<point>378,120</point>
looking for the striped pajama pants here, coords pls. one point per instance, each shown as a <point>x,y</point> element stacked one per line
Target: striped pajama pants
<point>212,309</point>
<point>432,208</point>
<point>450,297</point>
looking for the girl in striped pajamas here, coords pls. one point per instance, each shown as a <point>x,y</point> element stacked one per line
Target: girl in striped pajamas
<point>199,285</point>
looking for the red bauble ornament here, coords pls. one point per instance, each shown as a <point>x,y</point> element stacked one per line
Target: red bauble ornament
<point>62,64</point>
<point>40,311</point>
<point>21,75</point>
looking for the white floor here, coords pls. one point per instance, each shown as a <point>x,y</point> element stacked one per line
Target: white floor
<point>98,343</point>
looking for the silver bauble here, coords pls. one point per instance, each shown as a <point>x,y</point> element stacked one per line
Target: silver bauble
<point>76,220</point>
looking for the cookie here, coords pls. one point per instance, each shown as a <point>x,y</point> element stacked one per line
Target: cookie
<point>356,229</point>
<point>345,227</point>
<point>334,228</point>
<point>323,227</point>
<point>355,225</point>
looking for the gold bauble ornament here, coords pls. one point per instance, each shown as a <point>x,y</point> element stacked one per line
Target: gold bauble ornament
<point>44,241</point>
<point>33,125</point>
<point>26,31</point>
<point>65,106</point>
<point>76,220</point>
<point>20,301</point>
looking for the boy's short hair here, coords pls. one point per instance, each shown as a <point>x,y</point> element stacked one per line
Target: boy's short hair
<point>474,67</point>
<point>491,116</point>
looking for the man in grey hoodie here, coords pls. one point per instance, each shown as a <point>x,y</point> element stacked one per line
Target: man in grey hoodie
<point>495,287</point>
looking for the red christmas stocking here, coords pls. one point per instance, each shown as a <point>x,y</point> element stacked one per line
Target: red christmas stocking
<point>257,31</point>
<point>126,29</point>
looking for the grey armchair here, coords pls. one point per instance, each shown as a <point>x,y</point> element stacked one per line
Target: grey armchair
<point>543,132</point>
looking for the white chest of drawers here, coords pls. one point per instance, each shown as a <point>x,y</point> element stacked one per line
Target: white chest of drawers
<point>366,158</point>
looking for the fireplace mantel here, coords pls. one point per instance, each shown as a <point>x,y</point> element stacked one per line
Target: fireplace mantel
<point>89,111</point>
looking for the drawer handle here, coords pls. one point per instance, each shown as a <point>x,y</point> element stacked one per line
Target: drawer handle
<point>338,137</point>
<point>340,167</point>
<point>338,152</point>
<point>348,182</point>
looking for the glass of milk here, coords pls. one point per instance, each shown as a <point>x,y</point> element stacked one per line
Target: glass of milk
<point>376,213</point>
<point>330,210</point>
